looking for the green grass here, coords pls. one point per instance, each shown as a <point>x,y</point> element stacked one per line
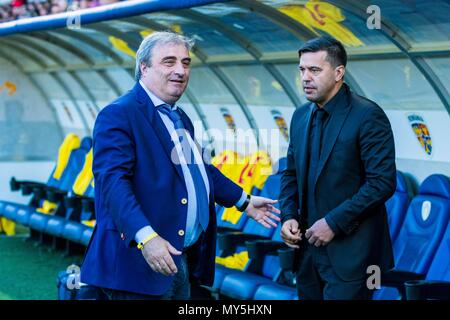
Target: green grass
<point>28,271</point>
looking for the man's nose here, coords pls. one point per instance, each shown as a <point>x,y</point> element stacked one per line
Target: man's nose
<point>180,69</point>
<point>306,76</point>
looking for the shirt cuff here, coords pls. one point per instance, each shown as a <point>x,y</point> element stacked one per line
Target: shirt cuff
<point>241,199</point>
<point>333,226</point>
<point>143,233</point>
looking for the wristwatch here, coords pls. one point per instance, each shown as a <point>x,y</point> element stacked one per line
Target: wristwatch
<point>245,204</point>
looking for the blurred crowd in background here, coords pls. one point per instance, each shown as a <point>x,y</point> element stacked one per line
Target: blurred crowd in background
<point>19,9</point>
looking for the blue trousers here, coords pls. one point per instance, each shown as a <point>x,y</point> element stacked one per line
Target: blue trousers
<point>180,289</point>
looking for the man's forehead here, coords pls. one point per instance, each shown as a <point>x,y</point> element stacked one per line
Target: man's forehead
<point>162,50</point>
<point>314,58</point>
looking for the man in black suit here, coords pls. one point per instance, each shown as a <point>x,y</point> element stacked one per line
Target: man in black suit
<point>340,171</point>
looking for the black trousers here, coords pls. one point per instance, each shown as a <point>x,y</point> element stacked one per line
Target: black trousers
<point>316,279</point>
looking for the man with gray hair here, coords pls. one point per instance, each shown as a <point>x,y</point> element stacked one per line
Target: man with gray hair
<point>154,195</point>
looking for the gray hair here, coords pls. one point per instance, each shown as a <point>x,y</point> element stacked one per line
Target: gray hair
<point>144,53</point>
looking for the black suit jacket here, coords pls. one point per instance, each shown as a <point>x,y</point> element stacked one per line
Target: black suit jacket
<point>356,175</point>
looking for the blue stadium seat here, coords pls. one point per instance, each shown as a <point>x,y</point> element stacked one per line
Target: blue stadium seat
<point>230,243</point>
<point>38,221</point>
<point>440,268</point>
<point>23,213</point>
<point>271,190</point>
<point>10,211</point>
<point>224,225</point>
<point>2,207</point>
<point>86,236</point>
<point>263,270</point>
<point>73,231</point>
<point>398,204</point>
<point>421,233</point>
<point>437,282</point>
<point>273,291</point>
<point>280,165</point>
<point>243,285</point>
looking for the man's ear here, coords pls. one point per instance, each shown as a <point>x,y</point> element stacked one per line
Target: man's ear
<point>143,67</point>
<point>339,73</point>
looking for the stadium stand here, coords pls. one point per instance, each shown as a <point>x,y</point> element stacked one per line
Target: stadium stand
<point>56,77</point>
<point>21,9</point>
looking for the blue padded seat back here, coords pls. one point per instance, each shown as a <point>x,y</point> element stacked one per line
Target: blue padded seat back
<point>75,164</point>
<point>424,226</point>
<point>276,236</point>
<point>275,292</point>
<point>52,182</point>
<point>60,183</point>
<point>397,205</point>
<point>440,267</point>
<point>271,266</point>
<point>90,191</point>
<point>436,185</point>
<point>227,224</point>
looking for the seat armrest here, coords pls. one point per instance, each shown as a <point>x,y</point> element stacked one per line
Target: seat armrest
<point>88,204</point>
<point>259,248</point>
<point>230,240</point>
<point>287,258</point>
<point>75,201</point>
<point>55,195</point>
<point>16,185</point>
<point>397,278</point>
<point>424,290</point>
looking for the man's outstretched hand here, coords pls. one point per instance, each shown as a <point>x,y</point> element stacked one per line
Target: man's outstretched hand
<point>262,211</point>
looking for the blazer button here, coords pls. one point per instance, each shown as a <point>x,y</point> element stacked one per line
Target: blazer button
<point>184,201</point>
<point>122,236</point>
<point>181,233</point>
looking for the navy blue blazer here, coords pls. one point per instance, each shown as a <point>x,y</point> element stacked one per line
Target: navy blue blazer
<point>137,184</point>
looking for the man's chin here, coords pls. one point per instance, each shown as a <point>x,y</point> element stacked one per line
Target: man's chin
<point>176,96</point>
<point>311,98</point>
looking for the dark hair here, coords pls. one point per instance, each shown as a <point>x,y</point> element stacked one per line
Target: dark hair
<point>336,54</point>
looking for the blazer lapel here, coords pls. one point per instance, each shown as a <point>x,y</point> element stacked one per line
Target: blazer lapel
<point>154,120</point>
<point>303,132</point>
<point>330,136</point>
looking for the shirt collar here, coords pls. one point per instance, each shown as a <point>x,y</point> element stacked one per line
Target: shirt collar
<point>156,101</point>
<point>334,102</point>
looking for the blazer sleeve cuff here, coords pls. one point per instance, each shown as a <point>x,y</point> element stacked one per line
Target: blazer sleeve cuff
<point>289,216</point>
<point>332,224</point>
